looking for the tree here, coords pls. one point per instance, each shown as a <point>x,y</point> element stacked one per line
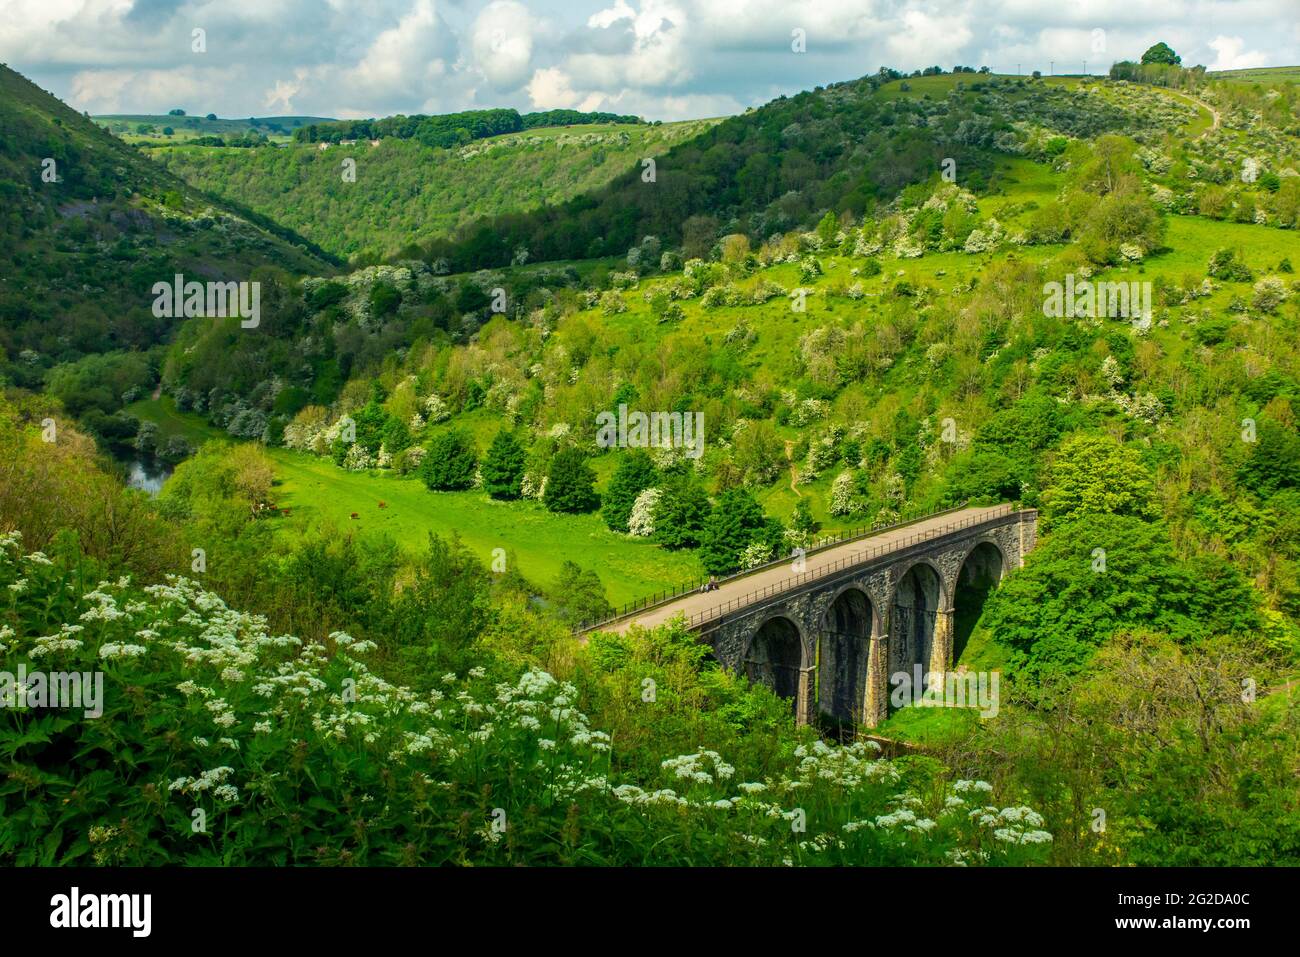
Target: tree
<point>579,596</point>
<point>450,462</point>
<point>735,247</point>
<point>146,438</point>
<point>681,512</point>
<point>1162,53</point>
<point>1124,216</point>
<point>570,483</point>
<point>698,235</point>
<point>370,421</point>
<point>503,466</point>
<point>211,116</point>
<point>326,294</point>
<point>986,476</point>
<point>736,522</point>
<point>436,619</point>
<point>828,227</point>
<point>252,472</point>
<point>384,299</point>
<point>635,473</point>
<point>396,436</point>
<point>1095,475</point>
<point>802,520</point>
<point>1104,573</point>
<point>1274,461</point>
<point>758,452</point>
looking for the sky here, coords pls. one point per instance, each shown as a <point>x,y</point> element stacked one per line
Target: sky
<point>660,59</point>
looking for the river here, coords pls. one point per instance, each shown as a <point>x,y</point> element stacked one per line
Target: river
<point>147,474</point>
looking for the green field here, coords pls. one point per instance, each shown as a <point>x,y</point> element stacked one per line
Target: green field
<point>940,85</point>
<point>188,127</point>
<point>317,491</point>
<point>1263,74</point>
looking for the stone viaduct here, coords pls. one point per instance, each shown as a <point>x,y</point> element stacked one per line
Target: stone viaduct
<point>828,631</point>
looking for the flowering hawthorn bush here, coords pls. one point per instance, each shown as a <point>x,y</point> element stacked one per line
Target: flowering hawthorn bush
<point>220,743</point>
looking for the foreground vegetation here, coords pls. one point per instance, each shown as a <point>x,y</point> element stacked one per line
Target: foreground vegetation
<point>225,739</point>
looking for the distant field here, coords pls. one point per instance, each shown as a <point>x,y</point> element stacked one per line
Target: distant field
<point>127,125</point>
<point>1263,74</point>
<point>940,84</point>
<point>318,491</point>
<point>555,132</point>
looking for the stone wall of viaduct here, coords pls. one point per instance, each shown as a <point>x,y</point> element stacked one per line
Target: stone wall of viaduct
<point>831,644</point>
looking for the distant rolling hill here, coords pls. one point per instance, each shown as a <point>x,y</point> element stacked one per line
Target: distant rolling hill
<point>406,193</point>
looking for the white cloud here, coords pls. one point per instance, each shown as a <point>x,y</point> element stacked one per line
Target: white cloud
<point>552,89</point>
<point>755,24</point>
<point>607,18</point>
<point>929,37</point>
<point>501,43</point>
<point>101,90</point>
<point>119,91</point>
<point>656,53</point>
<point>281,95</point>
<point>404,59</point>
<point>666,59</point>
<point>1232,54</point>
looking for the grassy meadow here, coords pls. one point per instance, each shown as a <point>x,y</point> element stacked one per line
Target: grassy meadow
<point>317,491</point>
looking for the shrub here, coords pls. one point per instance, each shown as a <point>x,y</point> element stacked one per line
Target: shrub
<point>1225,265</point>
<point>611,303</point>
<point>1270,292</point>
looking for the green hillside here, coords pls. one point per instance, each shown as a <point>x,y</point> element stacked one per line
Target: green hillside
<point>88,225</point>
<point>929,309</point>
<point>895,358</point>
<point>406,194</point>
<point>847,148</point>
